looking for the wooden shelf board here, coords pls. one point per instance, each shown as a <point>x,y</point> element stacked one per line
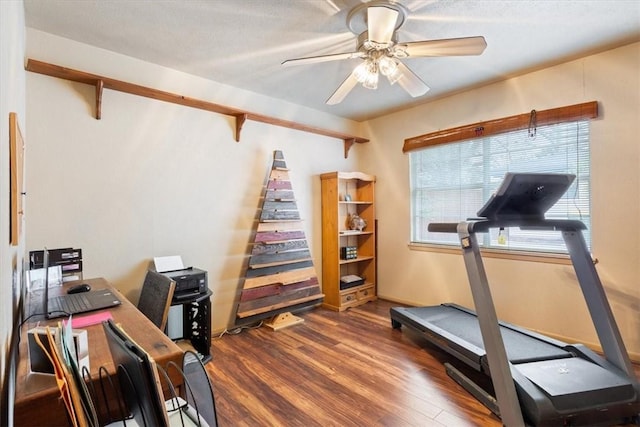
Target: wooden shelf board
<point>356,288</point>
<point>274,242</point>
<point>359,259</point>
<point>101,82</point>
<point>353,233</point>
<point>276,263</point>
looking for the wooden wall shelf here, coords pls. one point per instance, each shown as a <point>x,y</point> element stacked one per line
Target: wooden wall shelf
<point>101,82</point>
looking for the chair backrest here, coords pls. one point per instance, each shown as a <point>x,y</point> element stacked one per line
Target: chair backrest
<point>155,298</point>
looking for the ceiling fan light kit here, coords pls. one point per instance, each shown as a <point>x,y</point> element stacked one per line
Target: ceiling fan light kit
<point>376,24</point>
<point>367,74</point>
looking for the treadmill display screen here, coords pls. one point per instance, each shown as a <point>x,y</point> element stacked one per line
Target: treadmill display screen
<point>526,195</point>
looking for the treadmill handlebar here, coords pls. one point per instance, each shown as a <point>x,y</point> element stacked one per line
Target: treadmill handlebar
<point>483,225</point>
<point>443,227</point>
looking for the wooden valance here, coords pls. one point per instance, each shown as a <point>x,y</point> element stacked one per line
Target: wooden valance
<point>241,116</point>
<point>587,110</point>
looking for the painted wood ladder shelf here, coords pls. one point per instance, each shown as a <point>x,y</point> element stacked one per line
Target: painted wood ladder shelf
<point>101,82</point>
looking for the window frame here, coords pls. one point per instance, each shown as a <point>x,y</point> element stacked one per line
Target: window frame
<point>572,113</point>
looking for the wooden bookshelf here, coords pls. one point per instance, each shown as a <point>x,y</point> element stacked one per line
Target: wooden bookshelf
<point>344,194</point>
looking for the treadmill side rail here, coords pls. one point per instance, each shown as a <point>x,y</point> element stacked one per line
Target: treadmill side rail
<point>597,303</point>
<point>501,375</point>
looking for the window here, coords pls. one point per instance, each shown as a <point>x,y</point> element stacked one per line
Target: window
<point>450,182</point>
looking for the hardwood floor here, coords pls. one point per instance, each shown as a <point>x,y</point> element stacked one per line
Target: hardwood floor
<point>337,369</point>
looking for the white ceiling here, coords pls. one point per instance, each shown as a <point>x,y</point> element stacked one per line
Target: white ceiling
<point>243,42</point>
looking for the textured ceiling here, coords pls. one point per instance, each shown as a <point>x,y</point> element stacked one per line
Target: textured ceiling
<point>243,42</point>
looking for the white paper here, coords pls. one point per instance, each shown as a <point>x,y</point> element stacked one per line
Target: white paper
<point>168,263</point>
<point>35,278</point>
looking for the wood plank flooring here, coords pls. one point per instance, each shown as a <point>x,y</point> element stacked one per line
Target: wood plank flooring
<point>337,369</point>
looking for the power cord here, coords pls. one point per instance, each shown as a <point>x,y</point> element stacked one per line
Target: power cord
<point>44,315</point>
<point>238,330</point>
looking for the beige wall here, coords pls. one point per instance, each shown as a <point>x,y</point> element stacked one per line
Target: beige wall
<point>12,99</point>
<point>155,179</point>
<point>539,296</point>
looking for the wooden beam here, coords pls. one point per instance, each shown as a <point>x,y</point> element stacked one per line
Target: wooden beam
<point>289,292</point>
<point>587,110</point>
<point>275,269</point>
<point>277,289</point>
<point>281,305</point>
<point>241,116</point>
<point>284,278</point>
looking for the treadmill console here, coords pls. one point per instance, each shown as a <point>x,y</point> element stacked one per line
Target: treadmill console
<point>526,195</point>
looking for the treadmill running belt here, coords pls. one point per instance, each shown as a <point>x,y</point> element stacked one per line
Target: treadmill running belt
<point>464,325</point>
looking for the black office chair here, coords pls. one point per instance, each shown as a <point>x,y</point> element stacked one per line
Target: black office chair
<point>155,298</point>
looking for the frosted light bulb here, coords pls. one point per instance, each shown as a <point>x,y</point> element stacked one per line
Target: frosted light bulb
<point>387,66</point>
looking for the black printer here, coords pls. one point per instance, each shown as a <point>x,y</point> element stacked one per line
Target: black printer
<point>190,282</point>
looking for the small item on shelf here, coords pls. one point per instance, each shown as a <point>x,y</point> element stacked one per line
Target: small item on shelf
<point>350,281</point>
<point>348,252</point>
<point>357,223</point>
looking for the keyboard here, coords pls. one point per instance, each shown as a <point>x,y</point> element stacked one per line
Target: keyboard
<point>73,303</point>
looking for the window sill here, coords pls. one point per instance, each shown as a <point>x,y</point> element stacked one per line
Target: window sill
<point>549,258</point>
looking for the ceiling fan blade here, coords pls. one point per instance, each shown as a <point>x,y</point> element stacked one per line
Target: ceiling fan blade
<point>444,47</point>
<point>321,58</point>
<point>381,23</point>
<point>410,82</point>
<point>343,90</point>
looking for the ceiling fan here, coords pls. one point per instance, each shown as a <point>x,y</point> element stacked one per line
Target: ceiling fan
<point>376,24</point>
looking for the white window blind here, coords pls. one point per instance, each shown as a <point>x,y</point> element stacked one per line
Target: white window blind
<point>451,182</point>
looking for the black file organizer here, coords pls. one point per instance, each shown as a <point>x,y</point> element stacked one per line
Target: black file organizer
<point>69,259</point>
<point>137,390</point>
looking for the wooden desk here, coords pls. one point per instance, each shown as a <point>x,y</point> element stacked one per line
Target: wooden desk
<point>37,400</point>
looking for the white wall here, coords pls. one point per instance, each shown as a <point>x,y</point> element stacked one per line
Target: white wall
<point>539,296</point>
<point>12,99</point>
<point>154,179</point>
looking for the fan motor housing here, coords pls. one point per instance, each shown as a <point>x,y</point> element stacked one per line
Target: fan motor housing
<point>357,17</point>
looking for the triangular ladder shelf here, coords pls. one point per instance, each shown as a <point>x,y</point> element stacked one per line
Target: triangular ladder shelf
<point>281,277</point>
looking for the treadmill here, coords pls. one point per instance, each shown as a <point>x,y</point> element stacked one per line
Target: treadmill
<point>537,380</point>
